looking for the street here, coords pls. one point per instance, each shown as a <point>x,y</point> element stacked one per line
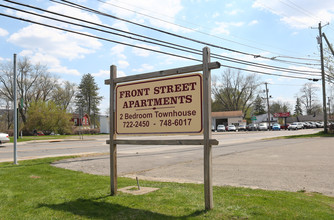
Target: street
<point>97,144</point>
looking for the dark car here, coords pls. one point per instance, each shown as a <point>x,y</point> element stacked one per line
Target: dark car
<point>252,127</point>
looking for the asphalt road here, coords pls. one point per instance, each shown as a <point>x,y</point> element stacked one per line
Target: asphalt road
<point>241,159</point>
<point>97,144</point>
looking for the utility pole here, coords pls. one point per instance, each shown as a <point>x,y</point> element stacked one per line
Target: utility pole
<point>15,112</point>
<point>329,107</point>
<point>268,104</point>
<point>323,78</point>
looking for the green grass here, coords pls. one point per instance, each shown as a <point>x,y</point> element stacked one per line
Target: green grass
<point>319,134</point>
<point>36,190</point>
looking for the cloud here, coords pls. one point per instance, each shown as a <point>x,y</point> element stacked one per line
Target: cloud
<point>3,32</point>
<point>123,64</point>
<point>106,74</point>
<point>234,12</point>
<point>223,27</point>
<point>164,10</point>
<point>299,14</point>
<point>253,22</point>
<point>118,51</point>
<point>144,68</point>
<point>102,73</point>
<point>53,64</point>
<point>54,42</point>
<point>143,52</point>
<point>215,15</point>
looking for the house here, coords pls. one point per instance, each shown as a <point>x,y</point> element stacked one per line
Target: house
<point>81,121</point>
<point>104,124</point>
<point>303,118</point>
<point>264,118</point>
<point>227,118</point>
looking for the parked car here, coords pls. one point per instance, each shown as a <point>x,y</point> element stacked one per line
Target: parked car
<point>231,128</point>
<point>312,124</point>
<point>285,126</point>
<point>276,126</point>
<point>319,124</point>
<point>4,138</point>
<point>242,128</point>
<point>252,127</point>
<point>221,128</point>
<point>263,127</point>
<point>295,126</point>
<point>307,125</point>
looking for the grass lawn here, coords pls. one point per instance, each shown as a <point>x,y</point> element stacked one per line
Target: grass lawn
<point>36,190</point>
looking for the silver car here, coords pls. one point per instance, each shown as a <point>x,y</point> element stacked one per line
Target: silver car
<point>221,128</point>
<point>4,138</point>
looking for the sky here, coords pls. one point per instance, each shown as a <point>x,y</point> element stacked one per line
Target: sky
<point>280,33</point>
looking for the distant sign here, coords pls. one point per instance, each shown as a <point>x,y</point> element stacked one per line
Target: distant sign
<point>253,118</point>
<point>171,105</point>
<point>282,115</point>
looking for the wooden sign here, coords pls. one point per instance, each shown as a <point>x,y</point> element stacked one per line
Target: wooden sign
<point>170,105</point>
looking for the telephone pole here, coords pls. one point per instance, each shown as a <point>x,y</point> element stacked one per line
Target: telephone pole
<point>268,104</point>
<point>324,108</point>
<point>329,107</point>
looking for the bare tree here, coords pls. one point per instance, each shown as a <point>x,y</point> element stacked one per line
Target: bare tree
<point>33,82</point>
<point>64,94</point>
<point>309,98</point>
<point>235,91</point>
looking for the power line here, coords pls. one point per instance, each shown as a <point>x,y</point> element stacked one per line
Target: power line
<point>88,35</point>
<point>157,51</point>
<point>182,48</point>
<point>191,29</point>
<point>100,38</point>
<point>159,30</point>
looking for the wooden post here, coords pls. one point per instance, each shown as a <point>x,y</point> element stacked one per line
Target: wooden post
<point>208,194</point>
<point>113,146</point>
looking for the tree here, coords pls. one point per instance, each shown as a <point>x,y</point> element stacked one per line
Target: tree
<point>34,83</point>
<point>259,106</point>
<point>308,98</point>
<point>298,108</point>
<point>46,116</point>
<point>329,64</point>
<point>88,97</point>
<point>234,91</point>
<point>278,106</point>
<point>63,95</point>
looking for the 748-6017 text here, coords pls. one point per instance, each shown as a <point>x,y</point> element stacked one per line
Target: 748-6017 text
<point>166,122</point>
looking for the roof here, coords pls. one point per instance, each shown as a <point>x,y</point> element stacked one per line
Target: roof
<point>316,117</point>
<point>227,114</point>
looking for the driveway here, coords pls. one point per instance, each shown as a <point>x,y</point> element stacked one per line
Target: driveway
<point>284,164</point>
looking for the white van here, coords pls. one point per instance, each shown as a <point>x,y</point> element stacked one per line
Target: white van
<point>263,126</point>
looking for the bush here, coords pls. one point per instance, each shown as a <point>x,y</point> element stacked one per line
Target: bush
<point>78,130</point>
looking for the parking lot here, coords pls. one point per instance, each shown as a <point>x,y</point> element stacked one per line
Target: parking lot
<point>246,159</point>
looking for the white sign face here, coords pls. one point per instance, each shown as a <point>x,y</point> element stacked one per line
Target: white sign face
<point>171,105</point>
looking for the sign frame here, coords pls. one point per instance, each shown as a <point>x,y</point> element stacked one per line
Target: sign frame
<point>207,140</point>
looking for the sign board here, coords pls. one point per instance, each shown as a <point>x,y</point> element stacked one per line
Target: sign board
<point>253,118</point>
<point>170,105</point>
<point>282,115</point>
